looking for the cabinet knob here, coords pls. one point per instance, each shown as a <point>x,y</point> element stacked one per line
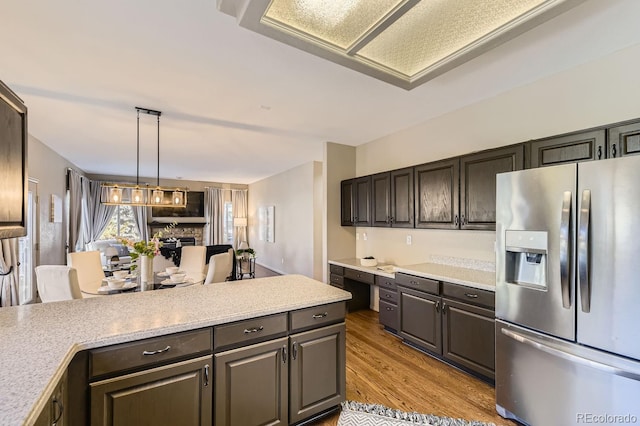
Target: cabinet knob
<point>294,350</point>
<point>600,152</point>
<point>614,151</point>
<point>438,306</point>
<point>456,220</point>
<point>206,375</point>
<point>388,296</point>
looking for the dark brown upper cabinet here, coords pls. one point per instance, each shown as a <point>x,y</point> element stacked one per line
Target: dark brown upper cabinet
<point>436,194</point>
<point>356,202</point>
<point>392,198</point>
<point>584,146</point>
<point>478,184</point>
<point>623,140</point>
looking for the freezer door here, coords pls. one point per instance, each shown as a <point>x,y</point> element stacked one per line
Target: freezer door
<point>608,255</point>
<point>541,380</point>
<point>535,224</point>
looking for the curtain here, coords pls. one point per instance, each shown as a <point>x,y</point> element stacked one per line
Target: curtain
<point>214,212</point>
<point>140,217</point>
<point>99,213</point>
<point>75,208</point>
<point>239,205</point>
<point>9,272</point>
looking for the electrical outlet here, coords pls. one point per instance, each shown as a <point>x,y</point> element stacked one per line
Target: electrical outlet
<point>364,236</point>
<point>409,240</point>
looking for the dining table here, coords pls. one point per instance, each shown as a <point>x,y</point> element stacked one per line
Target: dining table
<point>161,281</point>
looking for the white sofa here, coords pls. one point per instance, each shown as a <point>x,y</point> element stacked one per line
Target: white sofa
<point>102,245</point>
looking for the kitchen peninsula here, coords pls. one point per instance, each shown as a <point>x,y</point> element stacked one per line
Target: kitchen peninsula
<point>40,341</point>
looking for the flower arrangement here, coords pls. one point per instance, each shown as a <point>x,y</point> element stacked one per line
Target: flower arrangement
<point>149,248</point>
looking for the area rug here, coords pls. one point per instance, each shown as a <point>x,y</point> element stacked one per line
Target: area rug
<point>360,414</point>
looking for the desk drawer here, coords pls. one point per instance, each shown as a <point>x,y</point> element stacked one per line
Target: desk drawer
<point>335,269</point>
<point>385,282</point>
<point>387,295</point>
<point>418,283</point>
<point>249,331</point>
<point>469,294</point>
<point>149,352</point>
<point>363,277</point>
<point>337,280</point>
<point>317,316</point>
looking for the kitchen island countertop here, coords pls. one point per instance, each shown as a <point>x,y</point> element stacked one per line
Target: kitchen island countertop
<point>40,340</point>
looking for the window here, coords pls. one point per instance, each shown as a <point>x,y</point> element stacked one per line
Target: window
<point>122,224</point>
<point>227,224</point>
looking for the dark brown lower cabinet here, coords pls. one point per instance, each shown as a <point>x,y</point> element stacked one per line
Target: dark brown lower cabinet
<point>282,381</point>
<point>317,378</point>
<point>419,318</point>
<point>177,393</point>
<point>468,336</point>
<point>53,412</point>
<point>252,385</point>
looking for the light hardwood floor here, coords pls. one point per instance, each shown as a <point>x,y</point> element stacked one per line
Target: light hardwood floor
<point>382,370</point>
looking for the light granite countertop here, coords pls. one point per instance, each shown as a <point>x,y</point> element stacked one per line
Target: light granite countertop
<point>39,341</point>
<point>467,272</point>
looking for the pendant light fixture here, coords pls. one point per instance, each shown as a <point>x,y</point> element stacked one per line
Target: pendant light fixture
<point>137,195</point>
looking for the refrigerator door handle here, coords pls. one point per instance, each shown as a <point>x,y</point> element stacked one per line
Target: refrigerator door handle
<point>583,251</point>
<point>610,369</point>
<point>565,226</point>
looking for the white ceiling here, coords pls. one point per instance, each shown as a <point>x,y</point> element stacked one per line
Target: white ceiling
<point>238,107</point>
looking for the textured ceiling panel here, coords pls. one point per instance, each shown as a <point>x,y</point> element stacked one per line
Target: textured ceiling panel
<point>435,29</point>
<point>337,22</point>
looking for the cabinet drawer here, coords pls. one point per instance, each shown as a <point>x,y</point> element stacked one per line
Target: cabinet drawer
<point>335,269</point>
<point>388,315</point>
<point>387,295</point>
<point>363,277</point>
<point>469,294</point>
<point>317,316</point>
<point>385,282</point>
<point>337,280</point>
<point>418,283</point>
<point>249,331</point>
<point>149,352</point>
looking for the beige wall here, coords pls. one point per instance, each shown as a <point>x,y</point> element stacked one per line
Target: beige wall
<point>589,95</point>
<point>50,170</point>
<point>294,194</point>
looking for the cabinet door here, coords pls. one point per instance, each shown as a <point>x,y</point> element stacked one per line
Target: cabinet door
<point>402,198</point>
<point>419,319</point>
<point>478,184</point>
<point>381,199</point>
<point>436,194</point>
<point>174,394</point>
<point>568,149</point>
<point>362,201</point>
<point>469,336</point>
<point>347,194</point>
<point>252,386</point>
<point>317,371</point>
<point>624,140</point>
<point>388,315</point>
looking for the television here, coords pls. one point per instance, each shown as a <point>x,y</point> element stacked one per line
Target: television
<point>13,164</point>
<point>193,213</point>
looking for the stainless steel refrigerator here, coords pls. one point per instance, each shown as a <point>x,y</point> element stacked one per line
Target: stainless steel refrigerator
<point>568,293</point>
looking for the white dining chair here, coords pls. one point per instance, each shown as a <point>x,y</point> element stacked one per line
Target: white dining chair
<point>192,260</point>
<point>90,273</point>
<point>57,282</point>
<point>220,267</point>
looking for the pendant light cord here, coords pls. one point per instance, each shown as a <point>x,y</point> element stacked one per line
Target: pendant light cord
<point>158,174</point>
<point>138,149</point>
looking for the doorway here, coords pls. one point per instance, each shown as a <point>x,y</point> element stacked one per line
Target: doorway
<point>28,248</point>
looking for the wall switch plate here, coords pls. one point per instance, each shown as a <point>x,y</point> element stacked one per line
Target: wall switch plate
<point>409,240</point>
<point>364,236</point>
<point>357,235</point>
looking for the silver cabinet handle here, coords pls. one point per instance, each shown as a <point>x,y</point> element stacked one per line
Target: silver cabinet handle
<point>159,351</point>
<point>206,375</point>
<point>60,411</point>
<point>253,330</point>
<point>294,350</point>
<point>284,354</point>
<point>438,306</point>
<point>565,247</point>
<point>583,251</point>
<point>318,316</point>
<point>471,295</point>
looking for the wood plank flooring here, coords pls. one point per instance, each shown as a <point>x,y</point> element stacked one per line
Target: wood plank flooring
<point>382,370</point>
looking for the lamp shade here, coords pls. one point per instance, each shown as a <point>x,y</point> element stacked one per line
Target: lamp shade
<point>239,221</point>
